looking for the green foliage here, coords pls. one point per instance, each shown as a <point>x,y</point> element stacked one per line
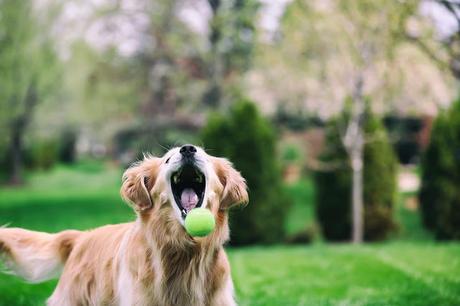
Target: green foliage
<point>233,32</point>
<point>440,193</point>
<point>26,56</point>
<point>333,194</point>
<point>232,37</point>
<point>41,154</point>
<point>291,154</point>
<point>332,197</point>
<point>67,142</point>
<point>380,169</point>
<point>406,129</point>
<point>301,215</point>
<point>295,120</point>
<point>248,141</point>
<point>304,236</point>
<point>141,139</point>
<point>28,75</point>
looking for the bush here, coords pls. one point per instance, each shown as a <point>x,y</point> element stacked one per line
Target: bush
<point>440,193</point>
<point>291,154</point>
<point>248,141</point>
<point>304,236</point>
<point>407,146</point>
<point>42,154</point>
<point>333,188</point>
<point>131,143</point>
<point>5,166</point>
<point>67,146</point>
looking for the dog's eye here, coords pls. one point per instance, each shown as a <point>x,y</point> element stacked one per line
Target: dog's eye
<point>167,161</point>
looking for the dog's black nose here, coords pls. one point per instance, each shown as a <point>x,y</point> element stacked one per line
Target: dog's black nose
<point>187,150</point>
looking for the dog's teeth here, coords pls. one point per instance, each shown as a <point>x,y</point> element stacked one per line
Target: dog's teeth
<point>175,178</point>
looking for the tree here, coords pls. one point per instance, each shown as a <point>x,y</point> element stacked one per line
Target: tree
<point>231,40</point>
<point>375,42</point>
<point>320,44</point>
<point>174,69</point>
<point>248,140</point>
<point>353,141</point>
<point>439,194</point>
<point>441,49</point>
<point>335,50</point>
<point>334,185</point>
<point>28,70</point>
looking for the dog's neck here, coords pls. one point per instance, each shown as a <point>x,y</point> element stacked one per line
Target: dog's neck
<point>185,260</point>
<point>183,267</point>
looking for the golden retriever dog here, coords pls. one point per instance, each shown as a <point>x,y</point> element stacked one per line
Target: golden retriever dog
<point>152,261</point>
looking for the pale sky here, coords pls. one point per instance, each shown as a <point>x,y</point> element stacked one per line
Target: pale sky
<point>443,19</point>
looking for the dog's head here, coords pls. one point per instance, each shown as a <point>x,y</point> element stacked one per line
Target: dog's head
<point>184,178</point>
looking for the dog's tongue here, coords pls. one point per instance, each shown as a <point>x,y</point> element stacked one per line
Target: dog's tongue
<point>188,199</point>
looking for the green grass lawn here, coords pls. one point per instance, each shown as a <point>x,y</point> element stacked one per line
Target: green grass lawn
<point>411,270</point>
<point>387,274</point>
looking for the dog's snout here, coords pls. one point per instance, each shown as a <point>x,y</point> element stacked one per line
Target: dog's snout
<point>187,150</point>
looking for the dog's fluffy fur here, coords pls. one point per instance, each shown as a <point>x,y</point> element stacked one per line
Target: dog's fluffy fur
<point>151,261</point>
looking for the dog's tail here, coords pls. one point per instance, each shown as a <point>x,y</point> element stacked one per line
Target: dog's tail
<point>35,256</point>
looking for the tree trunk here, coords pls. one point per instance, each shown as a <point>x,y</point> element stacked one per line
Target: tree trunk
<point>18,127</point>
<point>15,152</point>
<point>162,98</point>
<point>354,144</point>
<point>213,94</point>
<point>357,196</point>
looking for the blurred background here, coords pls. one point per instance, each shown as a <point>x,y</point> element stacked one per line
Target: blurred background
<point>343,116</point>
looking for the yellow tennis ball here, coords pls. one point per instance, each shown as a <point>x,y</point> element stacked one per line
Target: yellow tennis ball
<point>199,222</point>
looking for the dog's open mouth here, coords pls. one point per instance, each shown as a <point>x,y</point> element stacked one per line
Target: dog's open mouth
<point>188,185</point>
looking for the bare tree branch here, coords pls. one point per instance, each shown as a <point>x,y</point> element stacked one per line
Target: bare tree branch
<point>451,6</point>
<point>442,64</point>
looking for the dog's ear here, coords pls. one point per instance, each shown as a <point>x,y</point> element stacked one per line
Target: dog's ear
<point>235,189</point>
<point>138,181</point>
